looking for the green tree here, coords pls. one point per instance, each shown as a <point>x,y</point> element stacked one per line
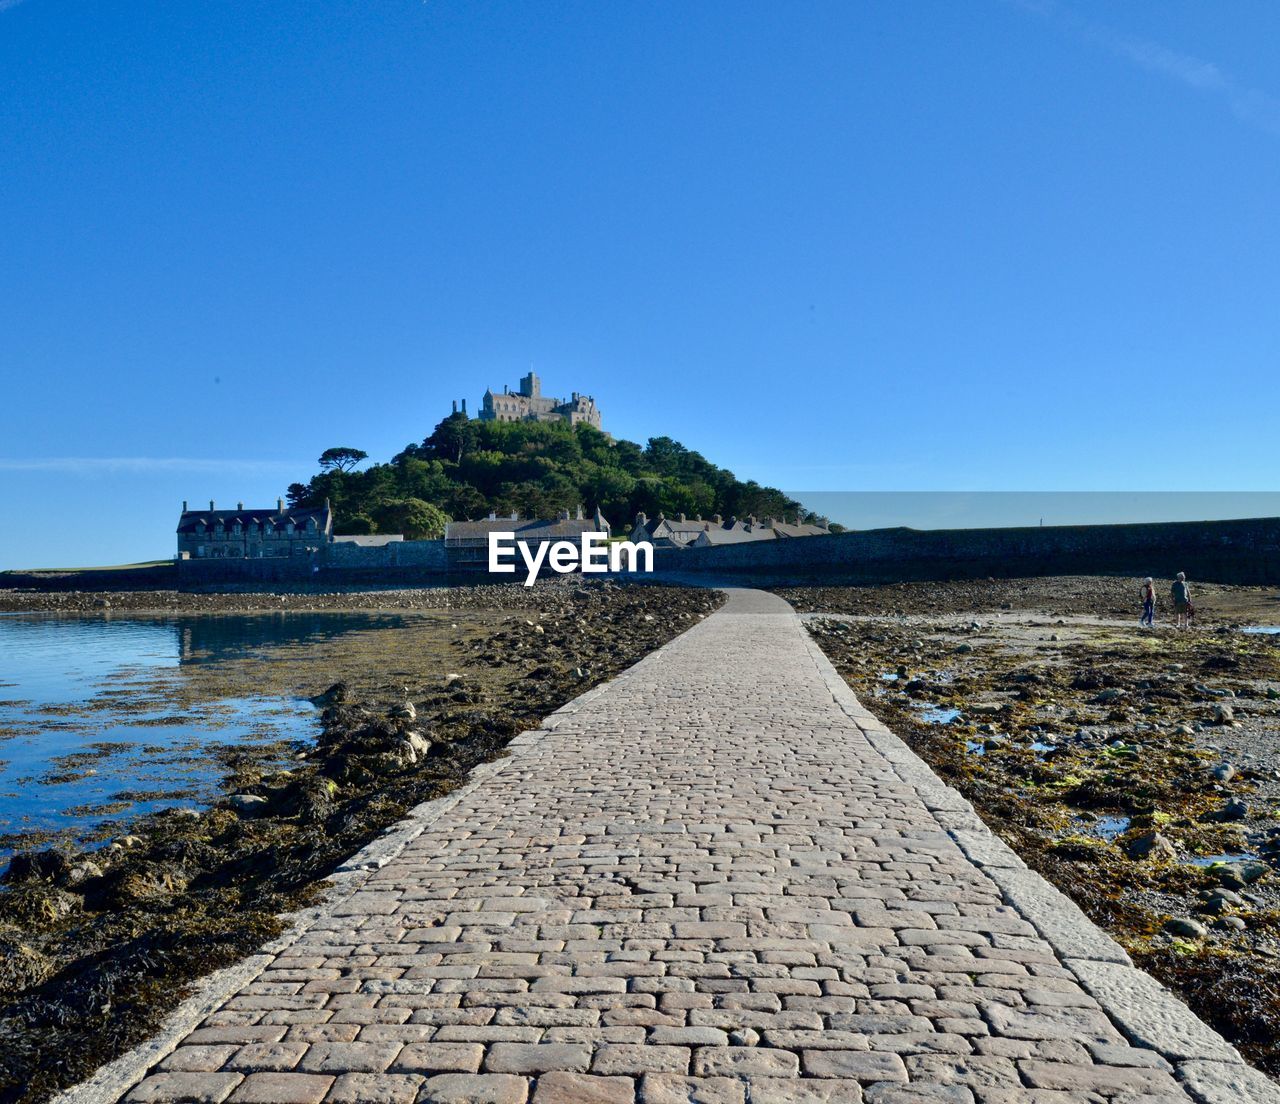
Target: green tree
<point>341,459</point>
<point>452,439</point>
<point>416,519</point>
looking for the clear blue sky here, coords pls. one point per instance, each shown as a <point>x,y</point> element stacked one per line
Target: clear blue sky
<point>845,246</point>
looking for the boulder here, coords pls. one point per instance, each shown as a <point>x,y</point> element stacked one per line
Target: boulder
<point>1185,928</point>
<point>335,695</point>
<point>1232,809</point>
<point>1151,845</point>
<point>248,805</point>
<point>83,871</point>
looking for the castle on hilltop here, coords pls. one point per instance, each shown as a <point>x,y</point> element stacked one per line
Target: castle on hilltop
<point>530,405</point>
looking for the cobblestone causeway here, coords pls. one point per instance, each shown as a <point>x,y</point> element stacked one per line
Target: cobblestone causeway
<point>714,879</point>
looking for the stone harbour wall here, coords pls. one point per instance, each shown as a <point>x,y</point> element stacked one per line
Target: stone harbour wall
<point>1244,551</point>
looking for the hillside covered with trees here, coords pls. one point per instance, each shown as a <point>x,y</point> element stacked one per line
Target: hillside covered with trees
<point>467,468</point>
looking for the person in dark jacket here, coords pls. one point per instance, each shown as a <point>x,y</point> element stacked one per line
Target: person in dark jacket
<point>1181,594</point>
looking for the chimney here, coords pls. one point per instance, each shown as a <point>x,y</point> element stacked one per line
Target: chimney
<point>493,515</point>
<point>184,505</point>
<point>211,506</point>
<point>515,516</point>
<point>564,515</point>
<point>579,511</point>
<point>279,505</point>
<point>641,518</point>
<point>455,406</point>
<point>464,406</point>
<point>682,517</point>
<point>239,505</point>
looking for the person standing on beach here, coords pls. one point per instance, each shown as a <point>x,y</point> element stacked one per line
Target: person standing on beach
<point>1182,601</point>
<point>1148,617</point>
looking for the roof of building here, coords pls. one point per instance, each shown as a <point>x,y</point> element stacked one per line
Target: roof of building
<point>526,529</point>
<point>786,529</point>
<point>369,540</point>
<point>694,527</point>
<point>737,536</point>
<point>191,520</point>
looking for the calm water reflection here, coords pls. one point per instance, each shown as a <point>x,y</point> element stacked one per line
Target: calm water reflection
<point>99,721</point>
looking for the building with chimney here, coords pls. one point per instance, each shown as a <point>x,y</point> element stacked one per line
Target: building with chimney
<point>253,534</point>
<point>683,532</point>
<point>466,543</point>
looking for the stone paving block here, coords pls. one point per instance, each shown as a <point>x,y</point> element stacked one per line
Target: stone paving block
<point>886,1092</point>
<point>1111,1080</point>
<point>266,1057</point>
<point>282,1088</point>
<point>580,1088</point>
<point>473,1088</point>
<point>744,1061</point>
<point>198,1059</point>
<point>671,1088</point>
<point>185,1088</point>
<point>787,1090</point>
<point>532,1058</point>
<point>374,1088</point>
<point>348,1057</point>
<point>635,1060</point>
<point>439,1058</point>
<point>854,1065</point>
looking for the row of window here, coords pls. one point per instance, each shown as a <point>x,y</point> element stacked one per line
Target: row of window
<point>216,552</point>
<point>264,527</point>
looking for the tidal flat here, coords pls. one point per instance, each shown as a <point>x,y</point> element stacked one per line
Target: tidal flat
<point>301,726</point>
<point>1135,769</point>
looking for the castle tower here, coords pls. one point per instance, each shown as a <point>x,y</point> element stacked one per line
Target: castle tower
<point>531,386</point>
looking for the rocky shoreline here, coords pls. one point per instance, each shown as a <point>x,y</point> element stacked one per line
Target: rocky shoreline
<point>259,599</point>
<point>1133,769</point>
<point>96,946</point>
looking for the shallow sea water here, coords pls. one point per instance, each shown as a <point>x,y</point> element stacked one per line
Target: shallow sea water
<point>103,718</point>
